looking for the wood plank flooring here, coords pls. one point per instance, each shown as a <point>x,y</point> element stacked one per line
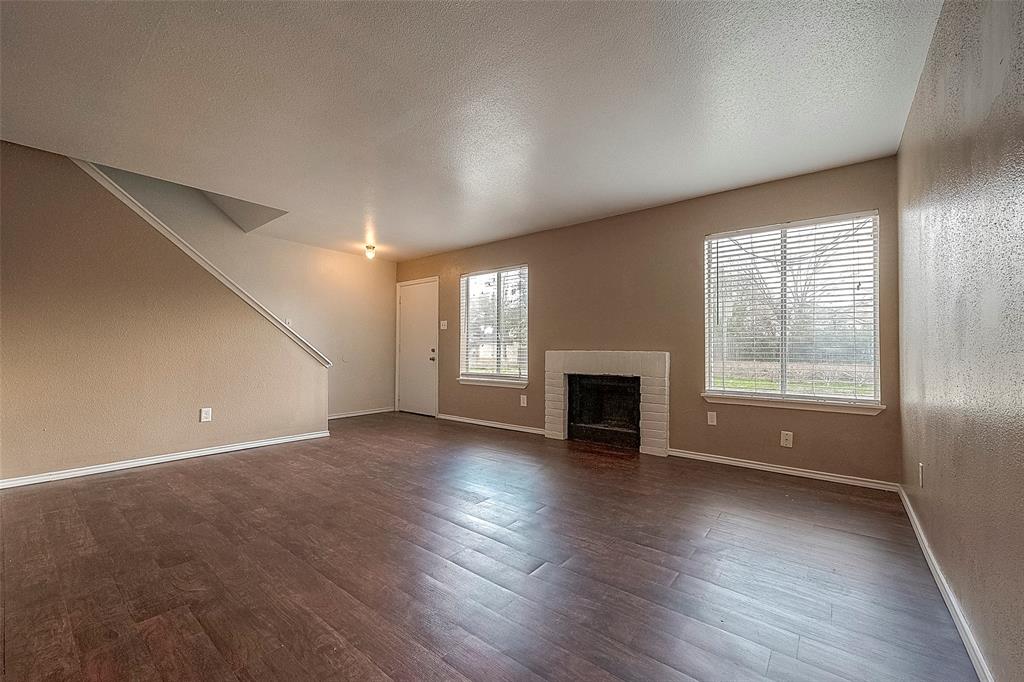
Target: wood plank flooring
<point>413,549</point>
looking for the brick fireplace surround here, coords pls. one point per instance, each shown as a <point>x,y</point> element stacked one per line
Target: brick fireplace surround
<point>651,366</point>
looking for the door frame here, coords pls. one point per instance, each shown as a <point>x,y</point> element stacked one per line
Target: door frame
<point>398,333</point>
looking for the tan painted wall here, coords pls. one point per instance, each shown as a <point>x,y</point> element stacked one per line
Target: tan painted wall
<point>113,338</point>
<point>341,303</point>
<point>635,282</point>
<point>961,194</point>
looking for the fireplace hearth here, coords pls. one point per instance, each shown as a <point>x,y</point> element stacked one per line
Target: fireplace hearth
<point>604,409</point>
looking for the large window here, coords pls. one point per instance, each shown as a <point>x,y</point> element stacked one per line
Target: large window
<point>792,311</point>
<point>494,325</point>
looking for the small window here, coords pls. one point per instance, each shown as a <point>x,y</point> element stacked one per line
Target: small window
<point>494,325</point>
<point>792,311</point>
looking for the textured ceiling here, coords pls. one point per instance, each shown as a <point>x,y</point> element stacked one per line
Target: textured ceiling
<point>430,126</point>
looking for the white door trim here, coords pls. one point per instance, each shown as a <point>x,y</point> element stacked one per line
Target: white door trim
<point>398,332</point>
<point>421,280</point>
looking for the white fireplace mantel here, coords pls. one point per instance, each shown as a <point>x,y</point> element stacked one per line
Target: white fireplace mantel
<point>651,366</point>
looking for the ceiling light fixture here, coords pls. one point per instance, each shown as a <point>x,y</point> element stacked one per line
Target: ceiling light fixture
<point>371,251</point>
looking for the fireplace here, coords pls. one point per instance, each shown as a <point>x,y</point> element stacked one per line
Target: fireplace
<point>604,409</point>
<point>652,368</point>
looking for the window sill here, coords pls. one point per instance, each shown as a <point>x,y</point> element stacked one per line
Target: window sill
<point>793,404</point>
<point>498,383</point>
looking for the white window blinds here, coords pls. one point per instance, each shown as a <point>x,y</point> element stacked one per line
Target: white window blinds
<point>792,311</point>
<point>494,324</point>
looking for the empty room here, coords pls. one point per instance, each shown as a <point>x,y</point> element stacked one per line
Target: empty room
<point>639,341</point>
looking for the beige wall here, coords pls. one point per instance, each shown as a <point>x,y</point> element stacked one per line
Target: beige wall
<point>635,282</point>
<point>341,303</point>
<point>961,193</point>
<point>113,338</point>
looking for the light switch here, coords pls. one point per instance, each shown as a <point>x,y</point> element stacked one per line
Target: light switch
<point>206,414</point>
<point>522,400</point>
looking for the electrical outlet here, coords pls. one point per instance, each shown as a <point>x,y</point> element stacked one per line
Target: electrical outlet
<point>712,419</point>
<point>786,440</point>
<point>920,474</point>
<point>522,400</point>
<point>206,414</point>
<point>444,324</point>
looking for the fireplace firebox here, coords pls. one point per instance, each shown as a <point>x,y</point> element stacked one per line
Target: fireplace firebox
<point>604,409</point>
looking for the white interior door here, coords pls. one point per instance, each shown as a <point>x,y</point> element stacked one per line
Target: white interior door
<point>417,348</point>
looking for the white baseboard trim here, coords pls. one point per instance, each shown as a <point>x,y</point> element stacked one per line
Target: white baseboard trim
<point>359,413</point>
<point>952,603</point>
<point>156,459</point>
<point>493,425</point>
<point>792,471</point>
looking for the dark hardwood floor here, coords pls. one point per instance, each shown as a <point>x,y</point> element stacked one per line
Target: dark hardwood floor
<point>408,548</point>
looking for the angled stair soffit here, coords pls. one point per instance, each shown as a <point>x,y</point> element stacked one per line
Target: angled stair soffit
<point>96,173</point>
<point>246,214</point>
